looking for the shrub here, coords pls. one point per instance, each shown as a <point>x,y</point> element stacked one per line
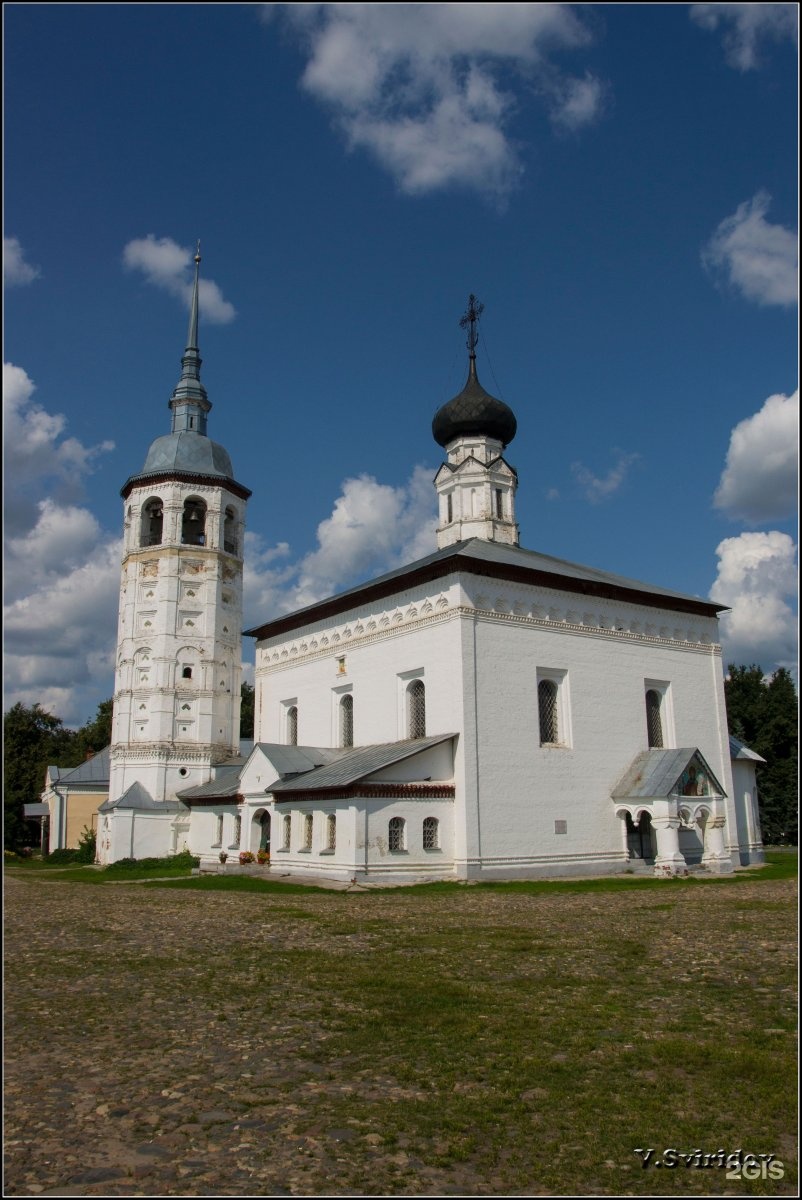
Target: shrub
<point>86,846</point>
<point>63,856</point>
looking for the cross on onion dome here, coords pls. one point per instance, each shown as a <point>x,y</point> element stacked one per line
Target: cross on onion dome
<point>471,317</point>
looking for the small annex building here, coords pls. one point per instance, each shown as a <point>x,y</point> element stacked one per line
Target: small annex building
<point>486,712</point>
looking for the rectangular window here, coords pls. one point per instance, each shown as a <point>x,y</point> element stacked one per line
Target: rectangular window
<point>499,504</point>
<point>308,831</point>
<point>218,841</point>
<point>553,712</point>
<point>657,714</point>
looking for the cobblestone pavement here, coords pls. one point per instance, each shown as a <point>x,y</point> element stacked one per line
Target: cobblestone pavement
<point>135,1067</point>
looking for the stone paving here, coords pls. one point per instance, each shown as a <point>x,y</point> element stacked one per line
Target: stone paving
<point>131,1069</point>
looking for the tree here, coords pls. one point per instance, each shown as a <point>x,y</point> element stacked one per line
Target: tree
<point>32,740</point>
<point>763,713</point>
<point>247,710</point>
<point>95,735</point>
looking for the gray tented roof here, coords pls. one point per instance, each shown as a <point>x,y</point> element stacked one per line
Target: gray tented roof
<point>656,773</point>
<point>353,765</point>
<point>187,451</point>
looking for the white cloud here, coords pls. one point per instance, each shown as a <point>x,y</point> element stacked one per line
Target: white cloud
<point>62,586</point>
<point>16,271</point>
<point>599,488</point>
<point>34,450</point>
<point>757,579</point>
<point>372,528</point>
<point>168,266</point>
<point>759,481</point>
<point>576,102</point>
<point>746,27</point>
<point>760,259</point>
<point>419,85</point>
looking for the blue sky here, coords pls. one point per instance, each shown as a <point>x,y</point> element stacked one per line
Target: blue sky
<point>616,183</point>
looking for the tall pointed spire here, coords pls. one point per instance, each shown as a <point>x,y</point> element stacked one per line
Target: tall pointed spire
<point>189,401</point>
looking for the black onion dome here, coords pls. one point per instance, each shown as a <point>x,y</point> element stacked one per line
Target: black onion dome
<point>474,411</point>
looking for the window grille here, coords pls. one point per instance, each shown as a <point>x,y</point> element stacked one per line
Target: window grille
<point>547,707</point>
<point>237,830</point>
<point>219,838</point>
<point>395,834</point>
<point>331,832</point>
<point>292,726</point>
<point>287,831</point>
<point>431,833</point>
<point>347,721</point>
<point>416,709</point>
<point>654,726</point>
<point>308,831</point>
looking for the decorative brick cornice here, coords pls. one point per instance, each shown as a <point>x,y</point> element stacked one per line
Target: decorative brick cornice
<point>215,481</point>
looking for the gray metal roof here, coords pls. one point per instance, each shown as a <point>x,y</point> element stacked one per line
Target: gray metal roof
<point>353,765</point>
<point>657,772</point>
<point>187,451</point>
<point>497,556</point>
<point>295,760</point>
<point>95,771</point>
<point>139,799</point>
<point>225,784</point>
<point>741,750</point>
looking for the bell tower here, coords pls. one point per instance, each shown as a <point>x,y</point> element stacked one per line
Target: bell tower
<point>179,662</point>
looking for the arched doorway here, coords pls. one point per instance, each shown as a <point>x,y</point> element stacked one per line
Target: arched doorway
<point>260,831</point>
<point>640,843</point>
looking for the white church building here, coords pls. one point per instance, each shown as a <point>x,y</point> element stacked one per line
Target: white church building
<point>486,712</point>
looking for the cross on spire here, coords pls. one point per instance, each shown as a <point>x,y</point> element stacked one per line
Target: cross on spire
<point>471,317</point>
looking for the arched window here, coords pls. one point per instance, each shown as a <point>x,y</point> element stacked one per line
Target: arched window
<point>193,523</point>
<point>331,832</point>
<point>431,833</point>
<point>292,726</point>
<point>547,711</point>
<point>186,673</point>
<point>396,834</point>
<point>287,831</point>
<point>347,721</point>
<point>308,831</point>
<point>230,532</point>
<point>654,725</point>
<point>152,523</point>
<point>416,709</point>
